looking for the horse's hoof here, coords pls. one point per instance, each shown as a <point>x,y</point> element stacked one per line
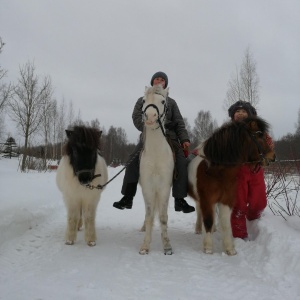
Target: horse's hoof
<point>91,244</point>
<point>198,231</point>
<point>69,242</point>
<point>231,252</point>
<point>208,251</point>
<point>144,251</point>
<point>168,251</point>
<point>143,229</point>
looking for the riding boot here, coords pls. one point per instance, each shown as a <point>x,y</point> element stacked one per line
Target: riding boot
<point>126,201</point>
<point>182,205</point>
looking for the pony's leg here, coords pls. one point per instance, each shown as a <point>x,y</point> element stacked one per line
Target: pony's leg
<point>198,226</point>
<point>143,228</point>
<point>79,227</point>
<point>225,225</point>
<point>208,221</point>
<point>89,216</point>
<point>149,220</point>
<point>163,218</point>
<point>72,224</point>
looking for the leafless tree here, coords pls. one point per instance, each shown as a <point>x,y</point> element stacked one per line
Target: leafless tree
<point>204,126</point>
<point>26,103</point>
<point>244,84</point>
<point>61,126</point>
<point>47,123</point>
<point>298,124</point>
<point>5,92</point>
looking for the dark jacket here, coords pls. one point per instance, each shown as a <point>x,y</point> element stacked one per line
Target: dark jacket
<point>174,124</point>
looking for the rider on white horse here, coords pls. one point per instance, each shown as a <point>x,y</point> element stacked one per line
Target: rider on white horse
<point>176,131</point>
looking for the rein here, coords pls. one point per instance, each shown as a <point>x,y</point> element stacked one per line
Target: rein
<point>99,186</point>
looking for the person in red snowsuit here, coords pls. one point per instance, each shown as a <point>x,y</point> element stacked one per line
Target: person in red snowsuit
<point>251,198</point>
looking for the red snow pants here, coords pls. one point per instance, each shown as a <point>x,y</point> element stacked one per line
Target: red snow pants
<point>251,200</point>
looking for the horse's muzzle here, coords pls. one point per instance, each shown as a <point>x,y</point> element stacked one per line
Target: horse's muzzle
<point>85,176</point>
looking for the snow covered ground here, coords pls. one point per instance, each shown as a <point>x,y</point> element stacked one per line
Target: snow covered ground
<point>35,263</point>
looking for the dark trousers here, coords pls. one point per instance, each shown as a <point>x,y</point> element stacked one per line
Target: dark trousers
<point>132,172</point>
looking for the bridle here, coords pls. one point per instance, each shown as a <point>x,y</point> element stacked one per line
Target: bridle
<point>260,150</point>
<point>161,117</point>
<point>91,172</point>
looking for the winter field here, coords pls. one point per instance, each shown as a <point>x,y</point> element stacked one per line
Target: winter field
<point>35,264</point>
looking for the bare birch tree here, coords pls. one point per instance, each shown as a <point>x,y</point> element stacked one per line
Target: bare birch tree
<point>26,103</point>
<point>48,112</point>
<point>5,92</point>
<point>244,84</point>
<point>204,126</point>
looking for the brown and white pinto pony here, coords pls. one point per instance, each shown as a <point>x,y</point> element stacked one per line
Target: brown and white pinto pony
<point>213,174</point>
<point>80,175</point>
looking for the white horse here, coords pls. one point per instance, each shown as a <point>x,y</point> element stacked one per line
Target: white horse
<point>80,176</point>
<point>156,166</point>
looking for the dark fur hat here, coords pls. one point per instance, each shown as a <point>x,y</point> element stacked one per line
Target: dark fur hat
<point>242,105</point>
<point>162,75</point>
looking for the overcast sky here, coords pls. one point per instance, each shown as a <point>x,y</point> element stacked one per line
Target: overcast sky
<point>101,54</point>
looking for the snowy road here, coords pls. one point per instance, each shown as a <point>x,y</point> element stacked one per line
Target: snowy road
<point>35,263</point>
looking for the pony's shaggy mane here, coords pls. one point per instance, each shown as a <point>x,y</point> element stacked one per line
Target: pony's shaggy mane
<point>82,136</point>
<point>227,142</point>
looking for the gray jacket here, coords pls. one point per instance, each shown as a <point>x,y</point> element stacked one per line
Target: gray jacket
<point>174,124</point>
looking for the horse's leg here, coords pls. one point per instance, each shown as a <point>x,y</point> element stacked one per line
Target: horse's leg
<point>149,220</point>
<point>163,203</point>
<point>89,216</point>
<point>79,227</point>
<point>198,226</point>
<point>225,225</point>
<point>143,228</point>
<point>72,225</point>
<point>208,221</point>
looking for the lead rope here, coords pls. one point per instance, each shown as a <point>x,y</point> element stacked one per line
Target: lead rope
<point>99,186</point>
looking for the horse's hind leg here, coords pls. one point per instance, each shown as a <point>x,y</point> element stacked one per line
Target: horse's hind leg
<point>149,220</point>
<point>89,216</point>
<point>225,225</point>
<point>208,221</point>
<point>72,225</point>
<point>79,226</point>
<point>163,218</point>
<point>198,226</point>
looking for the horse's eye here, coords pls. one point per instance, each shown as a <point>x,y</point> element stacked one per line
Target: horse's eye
<point>143,101</point>
<point>163,101</point>
<point>260,134</point>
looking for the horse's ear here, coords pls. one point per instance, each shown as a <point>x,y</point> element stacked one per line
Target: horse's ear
<point>100,133</point>
<point>253,125</point>
<point>68,133</point>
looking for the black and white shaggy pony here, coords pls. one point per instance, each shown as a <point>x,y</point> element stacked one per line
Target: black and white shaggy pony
<point>80,175</point>
<point>213,174</point>
<point>156,166</point>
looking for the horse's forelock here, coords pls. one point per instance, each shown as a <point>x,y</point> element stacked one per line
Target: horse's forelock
<point>156,89</point>
<point>88,137</point>
<point>261,124</point>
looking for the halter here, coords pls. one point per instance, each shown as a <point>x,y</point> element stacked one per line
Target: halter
<point>253,138</point>
<point>160,116</point>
